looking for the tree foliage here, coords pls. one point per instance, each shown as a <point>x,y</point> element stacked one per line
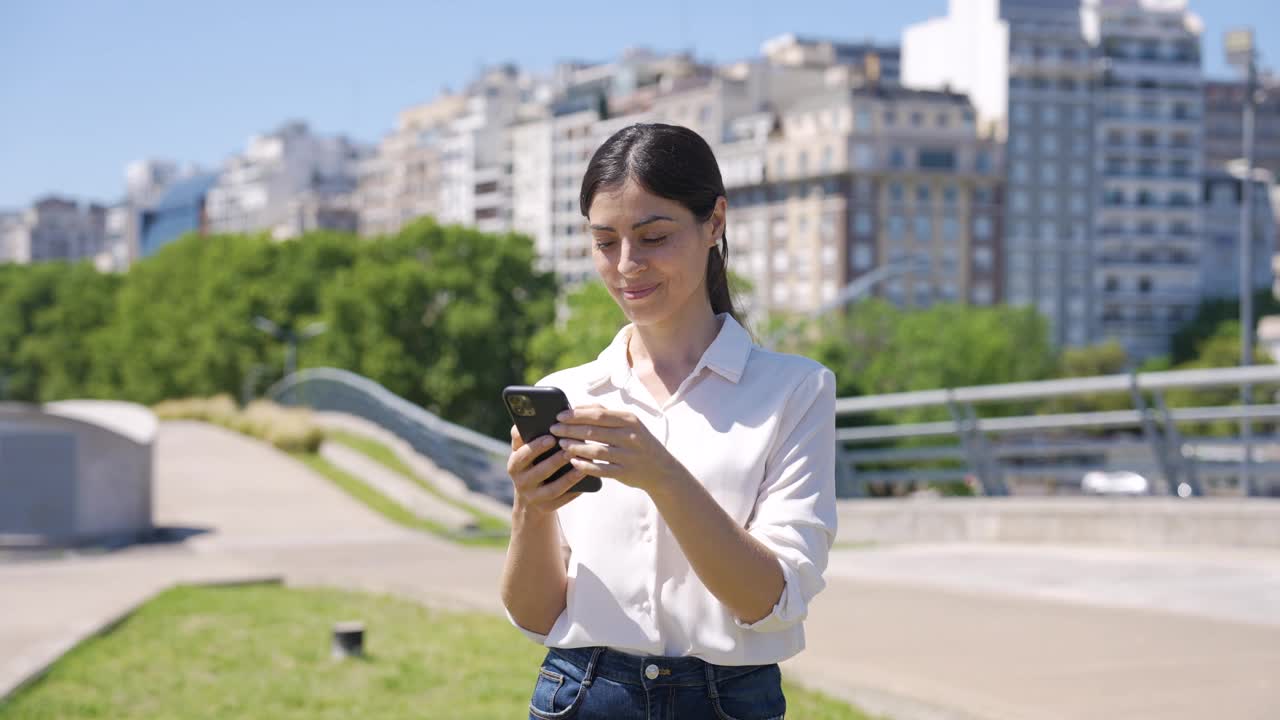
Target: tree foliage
<point>439,315</point>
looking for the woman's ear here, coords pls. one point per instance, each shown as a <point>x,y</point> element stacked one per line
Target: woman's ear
<point>717,220</point>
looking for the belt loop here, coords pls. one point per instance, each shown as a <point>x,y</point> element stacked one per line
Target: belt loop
<point>590,674</point>
<point>712,688</point>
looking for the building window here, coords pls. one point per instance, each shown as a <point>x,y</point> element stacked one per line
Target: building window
<point>864,156</point>
<point>896,192</point>
<point>982,227</point>
<point>862,223</point>
<point>982,257</point>
<point>937,159</point>
<point>862,120</point>
<point>950,228</point>
<point>923,228</point>
<point>897,158</point>
<point>922,194</point>
<point>897,227</point>
<point>861,256</point>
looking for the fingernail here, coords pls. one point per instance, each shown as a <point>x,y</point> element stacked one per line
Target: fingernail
<point>556,429</point>
<point>564,415</point>
<point>564,443</point>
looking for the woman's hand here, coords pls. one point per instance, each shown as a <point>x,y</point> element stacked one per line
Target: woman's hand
<point>527,476</point>
<point>628,452</point>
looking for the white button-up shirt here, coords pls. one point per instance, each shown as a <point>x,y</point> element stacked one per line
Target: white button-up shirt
<point>757,429</point>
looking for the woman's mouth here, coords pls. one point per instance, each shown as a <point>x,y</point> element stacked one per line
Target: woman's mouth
<point>639,292</point>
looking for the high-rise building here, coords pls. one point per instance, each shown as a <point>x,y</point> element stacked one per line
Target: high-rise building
<point>1224,123</point>
<point>286,183</point>
<point>849,180</point>
<point>1220,253</point>
<point>1148,230</point>
<point>1028,68</point>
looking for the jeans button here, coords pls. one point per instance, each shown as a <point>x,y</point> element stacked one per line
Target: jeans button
<point>651,672</point>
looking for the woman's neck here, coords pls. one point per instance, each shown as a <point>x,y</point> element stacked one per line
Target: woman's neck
<point>674,346</point>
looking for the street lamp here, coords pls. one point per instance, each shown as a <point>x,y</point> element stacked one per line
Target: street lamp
<point>287,335</point>
<point>858,288</point>
<point>1242,53</point>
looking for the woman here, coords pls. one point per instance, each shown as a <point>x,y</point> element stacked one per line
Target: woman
<point>675,590</point>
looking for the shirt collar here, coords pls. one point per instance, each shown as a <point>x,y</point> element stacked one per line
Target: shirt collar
<point>727,355</point>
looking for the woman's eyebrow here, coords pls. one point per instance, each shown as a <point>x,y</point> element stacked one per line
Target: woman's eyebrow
<point>637,226</point>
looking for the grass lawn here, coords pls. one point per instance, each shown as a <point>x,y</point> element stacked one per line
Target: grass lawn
<point>262,652</point>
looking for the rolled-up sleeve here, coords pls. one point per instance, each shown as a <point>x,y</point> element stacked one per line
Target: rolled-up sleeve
<point>795,511</point>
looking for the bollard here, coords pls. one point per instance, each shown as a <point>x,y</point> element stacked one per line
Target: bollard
<point>348,640</point>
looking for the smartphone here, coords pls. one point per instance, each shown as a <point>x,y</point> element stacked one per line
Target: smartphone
<point>533,410</point>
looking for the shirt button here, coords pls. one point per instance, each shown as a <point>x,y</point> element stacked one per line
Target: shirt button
<point>651,672</point>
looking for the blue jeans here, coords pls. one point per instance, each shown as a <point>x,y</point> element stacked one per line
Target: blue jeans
<point>598,683</point>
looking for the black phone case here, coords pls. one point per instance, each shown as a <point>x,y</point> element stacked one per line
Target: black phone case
<point>547,403</point>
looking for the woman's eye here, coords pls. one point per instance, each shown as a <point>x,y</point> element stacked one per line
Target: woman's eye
<point>655,240</point>
<point>603,244</point>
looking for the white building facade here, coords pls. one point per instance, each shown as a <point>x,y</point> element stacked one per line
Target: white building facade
<point>286,183</point>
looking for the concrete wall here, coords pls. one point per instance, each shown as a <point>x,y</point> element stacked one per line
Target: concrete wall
<point>1132,522</point>
<point>75,472</point>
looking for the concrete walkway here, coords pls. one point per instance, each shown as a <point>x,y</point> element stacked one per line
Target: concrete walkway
<point>925,632</point>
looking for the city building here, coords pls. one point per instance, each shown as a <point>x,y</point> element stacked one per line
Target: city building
<point>286,183</point>
<point>55,228</point>
<point>870,60</point>
<point>401,180</point>
<point>1219,257</point>
<point>1224,123</point>
<point>1028,68</point>
<point>846,181</point>
<point>1148,229</point>
<point>180,210</point>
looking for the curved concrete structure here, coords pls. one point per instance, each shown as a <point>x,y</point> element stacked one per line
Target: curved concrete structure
<point>75,472</point>
<point>1125,522</point>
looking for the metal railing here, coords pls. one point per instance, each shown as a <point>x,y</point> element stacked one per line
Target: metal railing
<point>1172,458</point>
<point>478,460</point>
<point>987,449</point>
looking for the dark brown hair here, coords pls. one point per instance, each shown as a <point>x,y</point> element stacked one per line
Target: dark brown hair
<point>675,163</point>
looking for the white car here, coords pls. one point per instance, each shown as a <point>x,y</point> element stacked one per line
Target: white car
<point>1122,482</point>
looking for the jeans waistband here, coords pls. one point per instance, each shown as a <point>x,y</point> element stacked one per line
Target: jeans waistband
<point>648,669</point>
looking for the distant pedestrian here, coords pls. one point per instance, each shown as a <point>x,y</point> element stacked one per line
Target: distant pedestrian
<point>675,590</point>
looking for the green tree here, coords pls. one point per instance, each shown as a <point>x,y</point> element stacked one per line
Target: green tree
<point>591,321</point>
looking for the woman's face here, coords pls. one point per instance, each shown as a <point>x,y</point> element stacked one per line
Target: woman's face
<point>651,252</point>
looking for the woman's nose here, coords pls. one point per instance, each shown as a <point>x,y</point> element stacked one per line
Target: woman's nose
<point>629,260</point>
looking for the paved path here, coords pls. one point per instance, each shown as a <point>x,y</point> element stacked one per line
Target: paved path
<point>978,632</point>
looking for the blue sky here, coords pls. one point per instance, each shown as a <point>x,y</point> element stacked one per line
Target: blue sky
<point>85,87</point>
